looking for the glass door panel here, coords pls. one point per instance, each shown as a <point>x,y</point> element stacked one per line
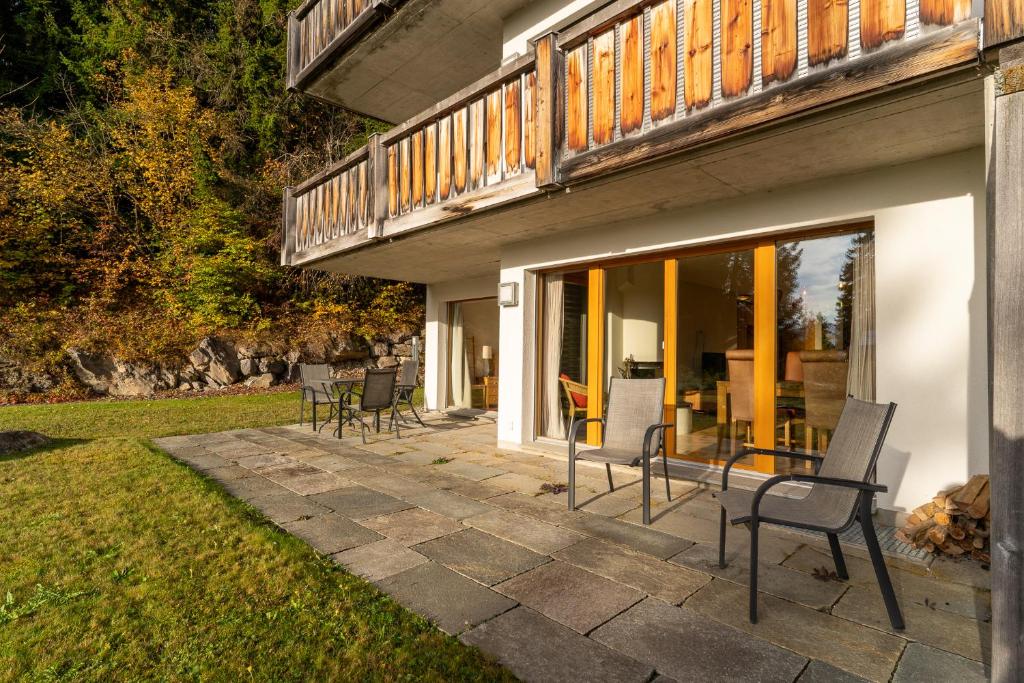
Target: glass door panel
<point>825,314</point>
<point>563,395</point>
<point>634,321</point>
<point>715,356</point>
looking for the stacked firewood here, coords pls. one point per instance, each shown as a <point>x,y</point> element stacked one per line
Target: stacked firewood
<point>956,522</point>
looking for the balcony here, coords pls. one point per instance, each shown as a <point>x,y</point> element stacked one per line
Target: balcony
<point>634,110</point>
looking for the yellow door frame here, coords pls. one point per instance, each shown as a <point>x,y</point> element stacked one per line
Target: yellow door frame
<point>595,352</point>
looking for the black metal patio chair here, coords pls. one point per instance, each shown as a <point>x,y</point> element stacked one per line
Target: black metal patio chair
<point>408,380</point>
<point>840,494</point>
<point>317,388</point>
<point>636,408</point>
<point>378,394</point>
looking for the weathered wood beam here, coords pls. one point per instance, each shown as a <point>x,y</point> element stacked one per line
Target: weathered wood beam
<point>548,112</point>
<point>1006,292</point>
<point>287,226</point>
<point>941,51</point>
<point>1004,21</point>
<point>378,157</point>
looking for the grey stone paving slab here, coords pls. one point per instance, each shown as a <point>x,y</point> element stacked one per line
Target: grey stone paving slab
<point>820,672</point>
<point>480,556</point>
<point>534,648</point>
<point>366,458</point>
<point>359,502</point>
<point>450,600</point>
<point>254,462</point>
<point>789,584</point>
<point>922,663</point>
<point>286,507</point>
<point>690,647</point>
<point>957,598</point>
<point>418,457</point>
<point>204,460</point>
<point>571,596</point>
<point>330,533</point>
<point>519,482</point>
<point>531,533</point>
<point>603,502</point>
<point>333,463</point>
<point>253,487</point>
<point>392,484</point>
<point>449,504</point>
<point>478,490</point>
<point>661,579</point>
<point>630,535</point>
<point>379,560</point>
<point>229,473</point>
<point>318,482</point>
<point>935,627</point>
<point>969,573</point>
<point>536,508</point>
<point>413,526</point>
<point>284,471</point>
<point>470,470</point>
<point>858,649</point>
<point>430,446</point>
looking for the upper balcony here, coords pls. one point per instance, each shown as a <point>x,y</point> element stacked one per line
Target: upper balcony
<point>391,59</point>
<point>631,111</point>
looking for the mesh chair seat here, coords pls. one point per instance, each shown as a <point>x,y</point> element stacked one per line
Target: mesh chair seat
<point>823,507</point>
<point>614,456</point>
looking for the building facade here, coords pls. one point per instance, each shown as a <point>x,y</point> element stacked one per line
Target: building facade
<point>771,204</point>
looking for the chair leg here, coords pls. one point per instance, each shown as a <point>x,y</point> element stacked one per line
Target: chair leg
<point>572,483</point>
<point>302,408</point>
<point>314,413</point>
<point>878,562</point>
<point>837,556</point>
<point>668,491</point>
<point>647,490</point>
<point>753,572</point>
<point>721,541</point>
<point>608,469</point>
<point>415,414</point>
<point>398,429</point>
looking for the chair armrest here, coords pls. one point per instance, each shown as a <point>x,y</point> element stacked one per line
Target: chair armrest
<point>575,431</point>
<point>745,451</point>
<point>862,486</point>
<point>649,434</point>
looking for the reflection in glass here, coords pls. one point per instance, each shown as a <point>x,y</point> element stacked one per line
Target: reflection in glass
<point>826,336</point>
<point>715,358</point>
<point>563,353</point>
<point>634,321</point>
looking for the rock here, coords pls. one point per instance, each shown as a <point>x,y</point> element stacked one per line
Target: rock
<point>249,366</point>
<point>292,357</point>
<point>254,350</point>
<point>314,352</point>
<point>401,350</point>
<point>14,377</point>
<point>260,381</point>
<point>12,442</point>
<point>292,374</point>
<point>108,375</point>
<point>217,360</point>
<point>276,367</point>
<point>380,349</point>
<point>387,362</point>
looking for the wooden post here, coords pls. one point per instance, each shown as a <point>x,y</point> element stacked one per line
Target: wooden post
<point>379,186</point>
<point>287,226</point>
<point>294,45</point>
<point>595,352</point>
<point>1006,291</point>
<point>765,332</point>
<point>548,114</point>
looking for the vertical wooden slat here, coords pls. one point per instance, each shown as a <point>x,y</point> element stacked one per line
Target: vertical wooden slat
<point>341,197</point>
<point>416,141</point>
<point>576,98</point>
<point>460,149</point>
<point>393,180</point>
<point>405,175</point>
<point>318,215</point>
<point>477,132</point>
<point>737,46</point>
<point>548,111</point>
<point>631,47</point>
<point>765,333</point>
<point>1004,21</point>
<point>595,352</point>
<point>530,120</point>
<point>377,188</point>
<point>430,163</point>
<point>444,158</point>
<point>881,21</point>
<point>945,12</point>
<point>778,40</point>
<point>493,141</point>
<point>663,60</point>
<point>603,77</point>
<point>698,64</point>
<point>352,215</point>
<point>364,219</point>
<point>827,31</point>
<point>512,127</point>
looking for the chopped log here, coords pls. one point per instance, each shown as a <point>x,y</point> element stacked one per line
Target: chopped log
<point>965,496</point>
<point>943,518</point>
<point>937,534</point>
<point>980,507</point>
<point>951,548</point>
<point>978,542</point>
<point>926,511</point>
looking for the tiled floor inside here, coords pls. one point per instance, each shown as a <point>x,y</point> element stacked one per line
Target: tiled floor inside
<point>460,531</point>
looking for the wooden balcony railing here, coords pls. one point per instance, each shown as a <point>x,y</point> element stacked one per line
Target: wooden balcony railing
<point>319,27</point>
<point>635,82</point>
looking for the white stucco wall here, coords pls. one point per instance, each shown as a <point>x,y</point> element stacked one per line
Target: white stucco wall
<point>439,295</point>
<point>539,17</point>
<point>931,303</point>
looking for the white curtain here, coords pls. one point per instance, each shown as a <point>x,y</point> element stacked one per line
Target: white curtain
<point>552,422</point>
<point>861,380</point>
<point>460,383</point>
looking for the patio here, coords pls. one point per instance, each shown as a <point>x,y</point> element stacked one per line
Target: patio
<point>461,532</point>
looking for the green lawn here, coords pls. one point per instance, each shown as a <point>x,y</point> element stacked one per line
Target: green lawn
<point>120,563</point>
